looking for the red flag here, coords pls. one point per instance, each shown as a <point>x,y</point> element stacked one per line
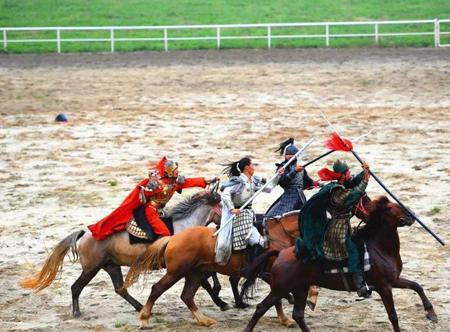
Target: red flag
<point>335,142</point>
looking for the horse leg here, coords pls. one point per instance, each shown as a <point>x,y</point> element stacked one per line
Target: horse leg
<point>191,286</point>
<point>115,272</point>
<point>386,295</point>
<point>300,297</point>
<point>78,286</point>
<point>284,320</point>
<point>409,284</point>
<point>214,291</point>
<point>238,303</point>
<point>167,281</point>
<point>261,309</point>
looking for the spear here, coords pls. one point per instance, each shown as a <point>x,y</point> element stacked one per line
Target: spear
<point>297,155</point>
<point>337,143</point>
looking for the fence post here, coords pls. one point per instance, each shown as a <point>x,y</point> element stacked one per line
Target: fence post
<point>166,42</point>
<point>218,37</point>
<point>112,40</point>
<point>437,36</point>
<point>327,35</point>
<point>376,34</point>
<point>269,36</point>
<point>58,40</point>
<point>5,43</point>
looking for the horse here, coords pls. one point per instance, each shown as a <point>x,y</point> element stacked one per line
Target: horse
<point>184,258</point>
<point>115,251</point>
<point>292,275</point>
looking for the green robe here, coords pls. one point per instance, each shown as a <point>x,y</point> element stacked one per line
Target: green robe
<point>313,221</point>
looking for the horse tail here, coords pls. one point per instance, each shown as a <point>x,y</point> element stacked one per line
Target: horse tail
<point>151,259</point>
<point>258,266</point>
<point>54,263</point>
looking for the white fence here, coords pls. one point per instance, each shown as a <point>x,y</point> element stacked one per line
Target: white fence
<point>433,28</point>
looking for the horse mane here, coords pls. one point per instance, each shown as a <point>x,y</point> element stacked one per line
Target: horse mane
<point>376,210</point>
<point>190,204</point>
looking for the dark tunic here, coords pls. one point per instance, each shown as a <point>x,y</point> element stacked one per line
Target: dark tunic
<point>293,197</point>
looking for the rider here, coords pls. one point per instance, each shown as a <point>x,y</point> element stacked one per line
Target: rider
<point>153,193</point>
<point>293,180</point>
<point>331,239</point>
<point>236,191</point>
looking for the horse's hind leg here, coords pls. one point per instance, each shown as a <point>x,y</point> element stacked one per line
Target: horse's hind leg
<point>238,302</point>
<point>386,295</point>
<point>405,283</point>
<point>214,291</point>
<point>261,309</point>
<point>78,286</point>
<point>115,272</point>
<point>300,298</point>
<point>191,286</point>
<point>167,281</point>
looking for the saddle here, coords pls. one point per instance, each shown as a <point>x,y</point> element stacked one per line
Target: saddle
<point>140,231</point>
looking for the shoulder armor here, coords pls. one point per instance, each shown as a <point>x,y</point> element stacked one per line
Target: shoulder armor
<point>152,185</point>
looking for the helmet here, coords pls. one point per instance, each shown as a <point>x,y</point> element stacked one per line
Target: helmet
<point>170,168</point>
<point>340,166</point>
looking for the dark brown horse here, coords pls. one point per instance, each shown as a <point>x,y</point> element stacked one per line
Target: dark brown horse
<point>191,252</point>
<point>290,274</point>
<point>116,251</point>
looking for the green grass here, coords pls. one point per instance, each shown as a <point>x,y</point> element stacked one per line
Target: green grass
<point>42,13</point>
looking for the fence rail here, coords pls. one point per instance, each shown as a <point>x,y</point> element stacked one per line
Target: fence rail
<point>433,28</point>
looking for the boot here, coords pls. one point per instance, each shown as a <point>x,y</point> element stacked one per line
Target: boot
<point>361,287</point>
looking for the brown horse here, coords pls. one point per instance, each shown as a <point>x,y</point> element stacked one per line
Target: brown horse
<point>290,274</point>
<point>115,251</point>
<point>191,252</point>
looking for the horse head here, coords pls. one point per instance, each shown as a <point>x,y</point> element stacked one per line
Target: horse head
<point>199,209</point>
<point>392,214</point>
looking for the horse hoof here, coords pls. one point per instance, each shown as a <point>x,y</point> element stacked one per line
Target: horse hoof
<point>242,305</point>
<point>225,307</point>
<point>432,316</point>
<point>76,314</point>
<point>144,325</point>
<point>289,323</point>
<point>209,322</point>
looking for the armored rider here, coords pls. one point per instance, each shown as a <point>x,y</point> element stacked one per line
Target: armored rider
<point>152,193</point>
<point>293,180</point>
<point>241,186</point>
<point>331,239</point>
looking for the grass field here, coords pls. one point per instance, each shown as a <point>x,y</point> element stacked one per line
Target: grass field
<point>42,13</point>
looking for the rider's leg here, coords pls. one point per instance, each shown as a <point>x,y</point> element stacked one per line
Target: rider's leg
<point>356,269</point>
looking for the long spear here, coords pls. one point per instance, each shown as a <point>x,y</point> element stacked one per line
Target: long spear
<point>265,185</point>
<point>336,142</point>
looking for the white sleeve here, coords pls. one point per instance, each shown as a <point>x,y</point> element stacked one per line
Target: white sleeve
<point>226,198</point>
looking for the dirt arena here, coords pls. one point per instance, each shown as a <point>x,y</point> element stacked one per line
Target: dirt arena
<point>206,108</point>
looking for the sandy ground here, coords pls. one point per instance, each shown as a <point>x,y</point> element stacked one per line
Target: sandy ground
<point>206,108</point>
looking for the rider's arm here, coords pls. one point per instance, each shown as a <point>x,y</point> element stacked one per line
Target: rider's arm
<point>192,182</point>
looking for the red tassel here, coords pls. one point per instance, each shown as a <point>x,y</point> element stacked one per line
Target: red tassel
<point>335,142</point>
<point>159,167</point>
